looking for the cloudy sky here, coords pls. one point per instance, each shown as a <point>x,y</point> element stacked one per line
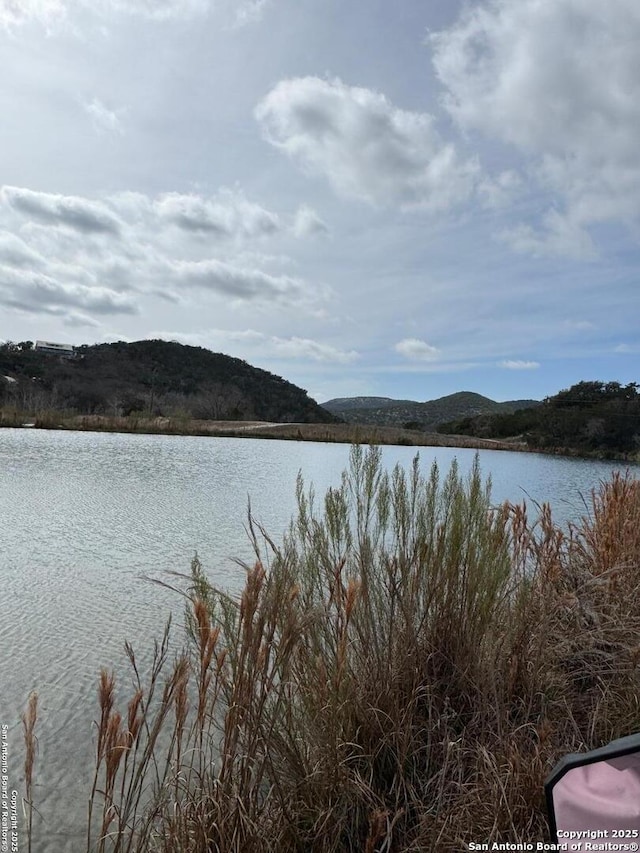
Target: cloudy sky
<point>403,198</point>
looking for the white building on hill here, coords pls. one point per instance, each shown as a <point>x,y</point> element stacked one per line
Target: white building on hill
<point>65,350</point>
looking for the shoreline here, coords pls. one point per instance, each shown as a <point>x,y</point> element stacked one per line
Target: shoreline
<point>329,433</point>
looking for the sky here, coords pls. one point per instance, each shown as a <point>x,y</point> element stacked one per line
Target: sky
<point>402,199</point>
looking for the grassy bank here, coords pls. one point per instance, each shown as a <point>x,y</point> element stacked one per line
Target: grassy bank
<point>400,675</point>
<point>331,433</point>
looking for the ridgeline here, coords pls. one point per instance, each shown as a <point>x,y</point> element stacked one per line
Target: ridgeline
<point>410,414</point>
<point>150,378</point>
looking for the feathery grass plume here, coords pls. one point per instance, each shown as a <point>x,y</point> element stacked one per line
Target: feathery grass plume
<point>610,536</point>
<point>105,701</point>
<point>29,719</point>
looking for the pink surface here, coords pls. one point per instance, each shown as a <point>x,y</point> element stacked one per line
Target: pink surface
<point>602,795</point>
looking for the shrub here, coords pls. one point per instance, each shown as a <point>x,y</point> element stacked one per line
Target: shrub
<point>401,674</point>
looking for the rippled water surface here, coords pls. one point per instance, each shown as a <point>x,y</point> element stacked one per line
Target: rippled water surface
<point>84,515</point>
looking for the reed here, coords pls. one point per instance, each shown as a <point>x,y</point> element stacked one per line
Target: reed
<point>399,675</point>
<point>48,419</point>
<point>29,719</point>
<point>11,417</point>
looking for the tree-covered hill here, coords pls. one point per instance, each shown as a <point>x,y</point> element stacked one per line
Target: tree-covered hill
<point>383,411</point>
<point>355,404</point>
<point>151,377</point>
<point>600,418</point>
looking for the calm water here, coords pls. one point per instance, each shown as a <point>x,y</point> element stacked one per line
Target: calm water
<point>84,515</point>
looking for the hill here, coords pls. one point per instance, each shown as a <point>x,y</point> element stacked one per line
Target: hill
<point>590,418</point>
<point>383,411</point>
<point>348,404</point>
<point>153,378</point>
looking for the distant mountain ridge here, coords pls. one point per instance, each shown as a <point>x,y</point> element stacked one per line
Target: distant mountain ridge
<point>385,411</point>
<point>347,404</point>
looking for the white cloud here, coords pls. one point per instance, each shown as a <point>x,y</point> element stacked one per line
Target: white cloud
<point>36,293</point>
<point>238,282</point>
<point>560,235</point>
<point>228,213</point>
<point>74,212</point>
<point>14,13</point>
<point>70,251</point>
<point>543,74</point>
<point>160,10</point>
<point>437,367</point>
<point>296,347</point>
<point>558,80</point>
<point>249,11</point>
<point>242,336</point>
<point>14,252</point>
<point>519,365</point>
<point>263,345</point>
<point>76,319</point>
<point>307,222</point>
<point>365,146</point>
<point>498,192</point>
<point>416,350</point>
<point>102,117</point>
<point>48,13</point>
<point>146,220</point>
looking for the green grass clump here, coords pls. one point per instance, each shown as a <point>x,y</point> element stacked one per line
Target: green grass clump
<point>400,675</point>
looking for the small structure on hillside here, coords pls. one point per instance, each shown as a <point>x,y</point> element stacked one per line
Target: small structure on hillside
<point>48,347</point>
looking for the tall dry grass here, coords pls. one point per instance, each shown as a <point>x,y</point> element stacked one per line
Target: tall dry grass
<point>29,719</point>
<point>11,417</point>
<point>400,675</point>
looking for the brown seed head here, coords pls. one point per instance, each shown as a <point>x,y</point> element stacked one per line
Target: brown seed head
<point>352,594</point>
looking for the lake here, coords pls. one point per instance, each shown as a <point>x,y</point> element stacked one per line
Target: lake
<point>83,516</point>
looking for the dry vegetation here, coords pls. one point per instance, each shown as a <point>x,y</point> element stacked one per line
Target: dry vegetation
<point>332,433</point>
<point>400,675</point>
